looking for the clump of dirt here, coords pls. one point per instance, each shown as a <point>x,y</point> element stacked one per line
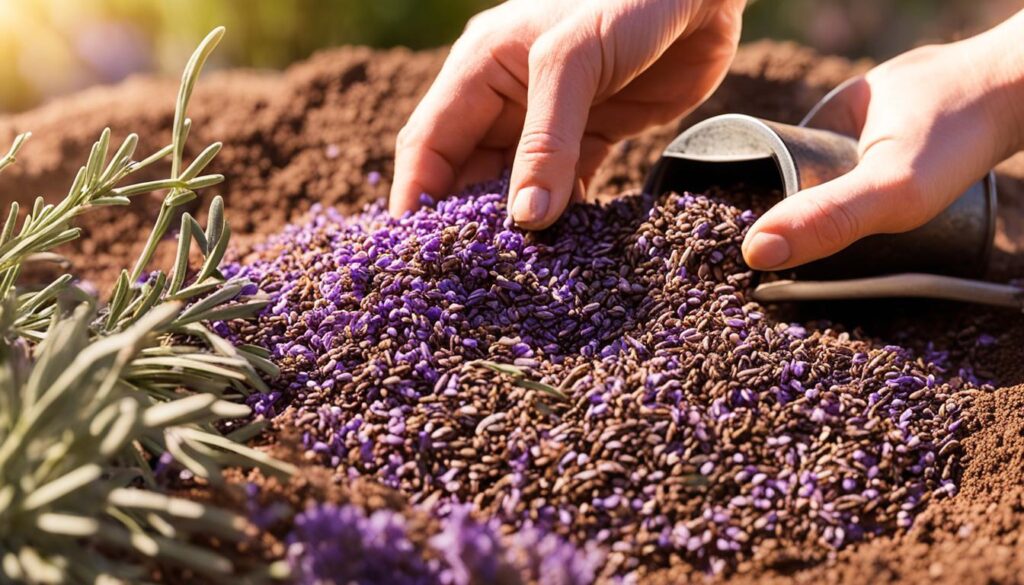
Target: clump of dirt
<point>313,134</point>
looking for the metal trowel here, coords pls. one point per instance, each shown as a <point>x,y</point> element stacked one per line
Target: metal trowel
<point>938,260</point>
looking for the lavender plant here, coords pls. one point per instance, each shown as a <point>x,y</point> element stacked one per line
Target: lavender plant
<point>88,388</point>
<point>69,472</point>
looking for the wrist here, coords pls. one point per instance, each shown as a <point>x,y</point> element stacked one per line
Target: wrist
<point>1004,51</point>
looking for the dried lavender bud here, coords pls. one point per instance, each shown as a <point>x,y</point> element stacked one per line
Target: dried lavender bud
<point>332,544</point>
<point>471,552</point>
<point>546,559</point>
<point>694,427</point>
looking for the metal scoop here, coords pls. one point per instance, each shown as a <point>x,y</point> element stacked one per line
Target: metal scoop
<point>933,260</point>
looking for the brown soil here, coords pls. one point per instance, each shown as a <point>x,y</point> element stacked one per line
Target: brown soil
<point>312,133</point>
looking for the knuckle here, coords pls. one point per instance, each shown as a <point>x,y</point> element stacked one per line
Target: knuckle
<point>543,50</point>
<point>914,204</point>
<point>479,20</point>
<point>544,144</point>
<point>404,138</point>
<point>925,52</point>
<point>834,225</point>
<point>910,188</point>
<point>467,43</point>
<point>562,54</point>
<point>908,61</point>
<point>559,46</point>
<point>479,31</point>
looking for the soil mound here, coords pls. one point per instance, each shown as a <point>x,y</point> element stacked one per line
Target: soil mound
<point>315,133</point>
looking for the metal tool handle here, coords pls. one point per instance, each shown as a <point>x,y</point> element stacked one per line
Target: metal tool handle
<point>913,285</point>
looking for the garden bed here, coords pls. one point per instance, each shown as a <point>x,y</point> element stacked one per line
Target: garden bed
<point>322,132</point>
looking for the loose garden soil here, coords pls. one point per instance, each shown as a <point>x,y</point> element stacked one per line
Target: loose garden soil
<point>315,133</point>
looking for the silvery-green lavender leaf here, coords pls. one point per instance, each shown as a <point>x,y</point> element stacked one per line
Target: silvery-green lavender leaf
<point>9,158</point>
<point>217,250</point>
<point>202,160</point>
<point>215,221</point>
<point>193,313</point>
<point>266,462</point>
<point>158,547</point>
<point>181,259</point>
<point>192,409</point>
<point>120,432</point>
<point>507,369</point>
<point>10,223</point>
<point>67,524</point>
<point>195,289</point>
<point>178,509</point>
<point>36,300</point>
<point>66,485</point>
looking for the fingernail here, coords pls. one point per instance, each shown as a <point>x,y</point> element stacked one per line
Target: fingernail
<point>766,251</point>
<point>530,205</point>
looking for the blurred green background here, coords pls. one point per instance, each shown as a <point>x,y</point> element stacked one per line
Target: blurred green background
<point>53,47</point>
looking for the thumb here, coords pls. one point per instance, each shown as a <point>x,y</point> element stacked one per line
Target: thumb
<point>822,220</point>
<point>562,85</point>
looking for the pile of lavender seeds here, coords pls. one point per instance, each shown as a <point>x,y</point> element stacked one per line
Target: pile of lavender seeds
<point>608,380</point>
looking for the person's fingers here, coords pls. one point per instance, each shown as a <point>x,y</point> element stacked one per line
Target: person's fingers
<point>822,220</point>
<point>506,129</point>
<point>564,70</point>
<point>594,150</point>
<point>495,151</point>
<point>457,112</point>
<point>705,61</point>
<point>483,165</point>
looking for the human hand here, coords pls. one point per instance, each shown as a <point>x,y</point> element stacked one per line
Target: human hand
<point>550,87</point>
<point>931,122</point>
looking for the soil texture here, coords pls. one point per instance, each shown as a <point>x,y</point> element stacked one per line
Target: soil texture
<point>315,133</point>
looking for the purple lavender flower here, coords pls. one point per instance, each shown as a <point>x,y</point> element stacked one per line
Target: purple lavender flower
<point>547,559</point>
<point>472,552</point>
<point>342,545</point>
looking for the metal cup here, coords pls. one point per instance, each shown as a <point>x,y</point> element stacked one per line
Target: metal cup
<point>766,155</point>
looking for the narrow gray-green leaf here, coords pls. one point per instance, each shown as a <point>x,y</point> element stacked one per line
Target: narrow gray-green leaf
<point>9,225</point>
<point>181,260</point>
<point>12,154</point>
<point>67,524</point>
<point>262,459</point>
<point>110,201</point>
<point>197,233</point>
<point>63,486</point>
<point>215,221</point>
<point>226,293</point>
<point>202,161</point>
<point>120,433</point>
<point>188,83</point>
<point>190,409</point>
<point>195,558</point>
<point>179,508</point>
